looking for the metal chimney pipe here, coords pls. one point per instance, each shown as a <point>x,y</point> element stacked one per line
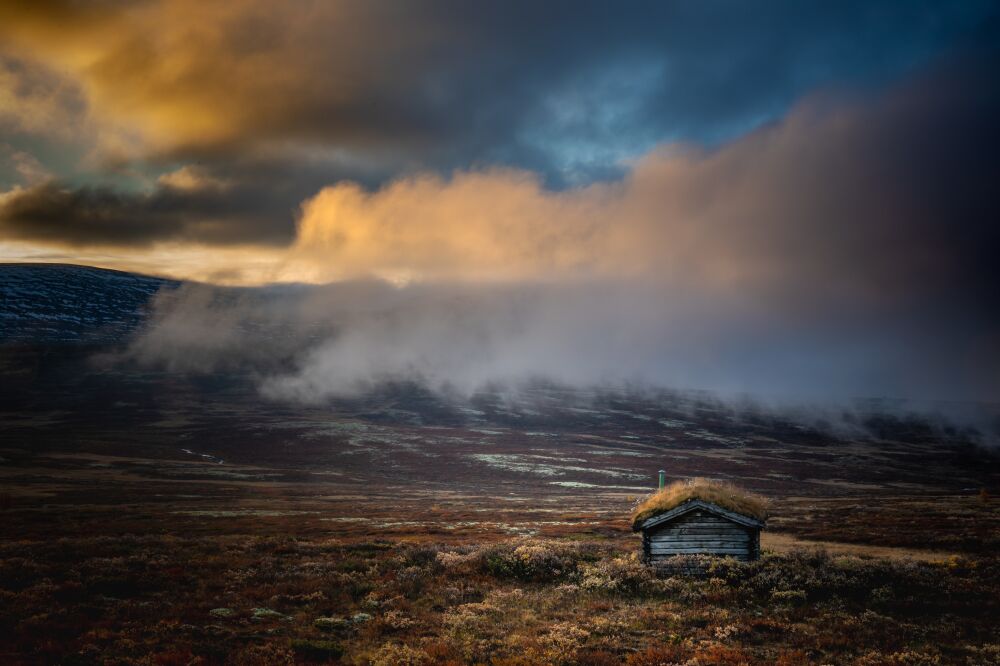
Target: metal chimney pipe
<point>663,479</point>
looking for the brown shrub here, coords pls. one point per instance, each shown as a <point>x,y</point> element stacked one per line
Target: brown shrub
<point>266,654</point>
<point>393,654</point>
<point>723,656</point>
<point>533,561</point>
<point>659,655</point>
<point>597,658</point>
<point>440,652</point>
<point>793,658</point>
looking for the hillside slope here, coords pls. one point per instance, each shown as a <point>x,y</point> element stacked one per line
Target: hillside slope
<point>59,303</point>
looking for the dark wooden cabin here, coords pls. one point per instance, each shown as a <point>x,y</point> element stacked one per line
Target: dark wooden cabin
<point>697,527</point>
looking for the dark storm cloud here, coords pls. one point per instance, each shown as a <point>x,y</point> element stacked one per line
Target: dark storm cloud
<point>591,84</point>
<point>55,214</point>
<point>564,88</point>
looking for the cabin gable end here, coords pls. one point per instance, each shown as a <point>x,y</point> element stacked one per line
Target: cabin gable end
<point>700,528</point>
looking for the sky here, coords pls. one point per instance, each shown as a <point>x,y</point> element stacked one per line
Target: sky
<point>801,190</point>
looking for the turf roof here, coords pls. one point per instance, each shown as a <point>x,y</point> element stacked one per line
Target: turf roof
<point>723,494</point>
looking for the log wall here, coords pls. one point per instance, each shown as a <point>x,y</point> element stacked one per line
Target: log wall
<point>701,533</point>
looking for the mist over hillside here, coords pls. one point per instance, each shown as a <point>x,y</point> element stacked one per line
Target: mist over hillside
<point>313,345</point>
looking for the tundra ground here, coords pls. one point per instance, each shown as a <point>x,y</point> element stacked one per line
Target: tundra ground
<point>161,520</point>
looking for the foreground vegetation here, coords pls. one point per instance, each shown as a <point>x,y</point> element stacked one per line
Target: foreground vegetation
<point>150,519</point>
<point>281,600</point>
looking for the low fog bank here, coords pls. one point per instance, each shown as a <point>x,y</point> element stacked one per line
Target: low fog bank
<point>845,251</point>
<point>309,345</point>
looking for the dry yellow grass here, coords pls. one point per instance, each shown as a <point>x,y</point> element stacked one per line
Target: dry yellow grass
<point>785,543</point>
<point>724,494</point>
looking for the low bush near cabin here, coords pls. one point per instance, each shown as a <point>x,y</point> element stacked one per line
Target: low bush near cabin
<point>619,575</point>
<point>529,562</point>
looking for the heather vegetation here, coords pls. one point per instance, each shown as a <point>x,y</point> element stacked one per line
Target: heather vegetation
<point>151,522</point>
<point>283,600</point>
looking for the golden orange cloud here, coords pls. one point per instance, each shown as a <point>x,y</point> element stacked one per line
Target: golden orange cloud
<point>497,225</point>
<point>168,75</point>
<point>227,265</point>
<point>492,225</point>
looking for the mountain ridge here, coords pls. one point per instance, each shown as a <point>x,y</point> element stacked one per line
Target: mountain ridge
<point>70,304</point>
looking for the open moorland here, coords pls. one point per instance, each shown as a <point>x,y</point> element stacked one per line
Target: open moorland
<point>154,518</point>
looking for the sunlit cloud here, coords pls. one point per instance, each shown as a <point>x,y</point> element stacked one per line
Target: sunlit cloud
<point>226,265</point>
<point>192,179</point>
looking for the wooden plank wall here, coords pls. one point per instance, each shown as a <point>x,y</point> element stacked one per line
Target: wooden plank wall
<point>701,532</point>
